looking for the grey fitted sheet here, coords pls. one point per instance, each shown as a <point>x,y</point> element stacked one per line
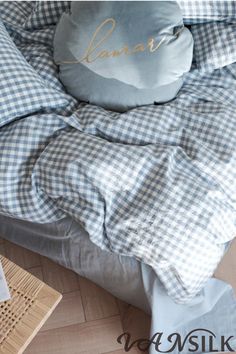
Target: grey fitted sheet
<point>68,244</point>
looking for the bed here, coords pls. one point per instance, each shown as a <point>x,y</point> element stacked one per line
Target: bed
<point>151,190</point>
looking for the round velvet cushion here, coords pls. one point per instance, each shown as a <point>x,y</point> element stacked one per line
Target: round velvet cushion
<point>123,54</point>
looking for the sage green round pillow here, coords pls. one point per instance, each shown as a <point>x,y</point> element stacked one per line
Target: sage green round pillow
<point>123,54</point>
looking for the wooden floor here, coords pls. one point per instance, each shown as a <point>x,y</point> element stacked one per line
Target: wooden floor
<point>88,319</point>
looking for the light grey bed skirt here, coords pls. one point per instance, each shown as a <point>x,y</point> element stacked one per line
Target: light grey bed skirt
<point>67,243</point>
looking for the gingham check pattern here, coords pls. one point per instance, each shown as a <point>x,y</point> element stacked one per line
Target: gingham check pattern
<point>22,90</point>
<point>199,11</point>
<point>157,183</point>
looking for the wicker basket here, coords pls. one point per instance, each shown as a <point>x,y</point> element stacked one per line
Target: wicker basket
<point>32,302</point>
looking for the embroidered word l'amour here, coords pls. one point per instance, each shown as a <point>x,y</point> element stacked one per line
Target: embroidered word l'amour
<point>94,51</point>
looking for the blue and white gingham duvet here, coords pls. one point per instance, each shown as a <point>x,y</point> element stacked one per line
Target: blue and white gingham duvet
<point>158,182</point>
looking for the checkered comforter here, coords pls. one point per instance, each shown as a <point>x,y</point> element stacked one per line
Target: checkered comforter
<point>158,182</point>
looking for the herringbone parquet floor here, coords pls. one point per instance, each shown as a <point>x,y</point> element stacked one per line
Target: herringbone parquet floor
<point>88,320</point>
